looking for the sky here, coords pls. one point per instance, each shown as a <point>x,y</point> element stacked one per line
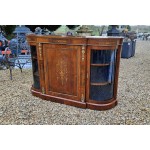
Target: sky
<point>76,12</point>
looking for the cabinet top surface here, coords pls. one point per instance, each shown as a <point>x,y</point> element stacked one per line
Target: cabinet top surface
<point>76,37</point>
<point>75,40</point>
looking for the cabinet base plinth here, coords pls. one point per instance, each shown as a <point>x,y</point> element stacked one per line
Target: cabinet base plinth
<point>102,106</point>
<point>59,99</point>
<point>65,101</point>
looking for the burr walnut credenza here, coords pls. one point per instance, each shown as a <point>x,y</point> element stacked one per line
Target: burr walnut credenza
<point>77,71</point>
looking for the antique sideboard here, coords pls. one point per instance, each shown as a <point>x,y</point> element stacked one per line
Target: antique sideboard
<point>77,71</point>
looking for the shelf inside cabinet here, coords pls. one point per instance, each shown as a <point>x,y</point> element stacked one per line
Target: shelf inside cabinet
<point>99,65</point>
<point>100,84</point>
<point>34,57</point>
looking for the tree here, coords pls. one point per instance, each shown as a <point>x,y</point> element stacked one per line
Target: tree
<point>7,29</point>
<point>128,27</point>
<point>101,31</point>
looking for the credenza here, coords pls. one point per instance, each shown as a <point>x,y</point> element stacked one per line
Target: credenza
<point>77,71</point>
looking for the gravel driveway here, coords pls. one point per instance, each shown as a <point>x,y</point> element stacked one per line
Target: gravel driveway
<point>18,106</point>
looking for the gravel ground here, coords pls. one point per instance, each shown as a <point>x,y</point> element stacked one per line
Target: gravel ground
<point>18,106</point>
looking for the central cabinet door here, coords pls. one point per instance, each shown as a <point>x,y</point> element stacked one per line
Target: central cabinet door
<point>62,71</point>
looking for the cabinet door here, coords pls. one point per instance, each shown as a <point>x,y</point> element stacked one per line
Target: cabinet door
<point>62,65</point>
<point>101,73</point>
<point>35,68</point>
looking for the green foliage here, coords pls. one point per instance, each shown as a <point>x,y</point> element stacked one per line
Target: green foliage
<point>141,28</point>
<point>129,27</point>
<point>8,30</point>
<point>110,26</point>
<point>49,27</point>
<point>97,30</point>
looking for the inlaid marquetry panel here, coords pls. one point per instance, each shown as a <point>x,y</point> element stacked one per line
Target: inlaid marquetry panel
<point>63,69</point>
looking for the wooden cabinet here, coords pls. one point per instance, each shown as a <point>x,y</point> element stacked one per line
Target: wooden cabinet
<point>77,71</point>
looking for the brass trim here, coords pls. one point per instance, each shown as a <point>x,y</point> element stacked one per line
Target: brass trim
<point>43,90</point>
<point>82,98</point>
<point>87,76</point>
<point>40,50</point>
<point>83,53</point>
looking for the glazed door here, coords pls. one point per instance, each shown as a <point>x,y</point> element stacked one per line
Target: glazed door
<point>62,64</point>
<point>101,73</point>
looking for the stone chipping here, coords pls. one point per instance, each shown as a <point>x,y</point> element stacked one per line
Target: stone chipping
<point>18,106</point>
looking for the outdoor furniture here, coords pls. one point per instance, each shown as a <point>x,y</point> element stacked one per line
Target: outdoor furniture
<point>9,60</point>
